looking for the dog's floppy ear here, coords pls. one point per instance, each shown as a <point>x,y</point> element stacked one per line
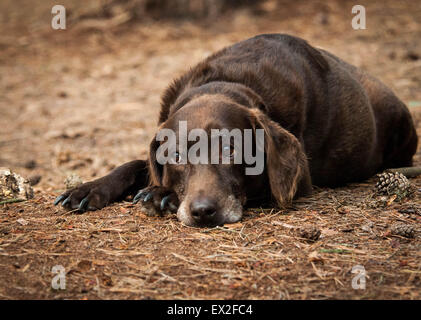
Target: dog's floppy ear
<point>155,169</point>
<point>286,164</point>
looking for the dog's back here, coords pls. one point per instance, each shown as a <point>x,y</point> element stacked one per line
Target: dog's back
<point>396,137</point>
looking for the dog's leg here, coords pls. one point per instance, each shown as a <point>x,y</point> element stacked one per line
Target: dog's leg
<point>118,184</point>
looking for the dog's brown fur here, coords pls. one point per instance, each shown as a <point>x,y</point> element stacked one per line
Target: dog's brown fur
<point>326,123</point>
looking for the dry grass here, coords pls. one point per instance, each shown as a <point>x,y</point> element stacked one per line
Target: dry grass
<point>119,252</point>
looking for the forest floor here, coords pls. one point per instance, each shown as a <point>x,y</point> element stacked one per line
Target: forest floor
<point>86,99</point>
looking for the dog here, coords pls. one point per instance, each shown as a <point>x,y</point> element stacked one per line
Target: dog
<point>325,123</point>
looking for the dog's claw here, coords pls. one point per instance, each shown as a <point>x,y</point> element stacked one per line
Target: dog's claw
<point>83,204</point>
<point>58,199</point>
<point>66,201</point>
<point>172,206</point>
<point>148,197</point>
<point>164,202</point>
<point>139,195</point>
<point>156,200</point>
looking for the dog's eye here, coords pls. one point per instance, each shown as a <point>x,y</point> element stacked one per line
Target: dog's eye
<point>229,151</point>
<point>176,157</point>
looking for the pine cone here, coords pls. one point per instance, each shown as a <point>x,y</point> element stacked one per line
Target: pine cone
<point>310,232</point>
<point>72,181</point>
<point>403,230</point>
<point>14,186</point>
<point>393,183</point>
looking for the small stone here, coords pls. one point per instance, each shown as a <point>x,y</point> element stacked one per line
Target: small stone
<point>30,164</point>
<point>62,94</point>
<point>411,55</point>
<point>344,210</point>
<point>309,232</point>
<point>34,179</point>
<point>368,226</point>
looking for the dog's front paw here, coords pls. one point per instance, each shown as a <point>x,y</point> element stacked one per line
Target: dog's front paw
<point>157,200</point>
<point>92,195</point>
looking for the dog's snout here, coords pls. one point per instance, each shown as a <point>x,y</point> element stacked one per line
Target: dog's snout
<point>203,209</point>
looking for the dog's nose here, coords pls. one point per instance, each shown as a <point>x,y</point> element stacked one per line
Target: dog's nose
<point>203,209</point>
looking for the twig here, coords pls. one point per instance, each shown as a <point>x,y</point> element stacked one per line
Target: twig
<point>11,201</point>
<point>408,172</point>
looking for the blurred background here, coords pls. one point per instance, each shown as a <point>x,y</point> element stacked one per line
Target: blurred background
<point>85,99</point>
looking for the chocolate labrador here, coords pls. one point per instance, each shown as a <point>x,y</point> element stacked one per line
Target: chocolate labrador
<point>325,122</point>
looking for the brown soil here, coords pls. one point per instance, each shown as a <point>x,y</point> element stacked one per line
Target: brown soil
<point>87,99</point>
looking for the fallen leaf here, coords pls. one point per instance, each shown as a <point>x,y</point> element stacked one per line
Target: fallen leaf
<point>124,210</point>
<point>344,210</point>
<point>285,225</point>
<point>329,232</point>
<point>391,199</point>
<point>315,257</point>
<point>234,225</point>
<point>106,280</point>
<point>22,222</point>
<point>84,265</point>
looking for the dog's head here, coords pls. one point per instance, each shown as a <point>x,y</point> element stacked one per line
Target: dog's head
<point>213,177</point>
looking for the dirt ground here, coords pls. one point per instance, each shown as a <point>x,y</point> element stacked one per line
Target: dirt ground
<point>86,99</point>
